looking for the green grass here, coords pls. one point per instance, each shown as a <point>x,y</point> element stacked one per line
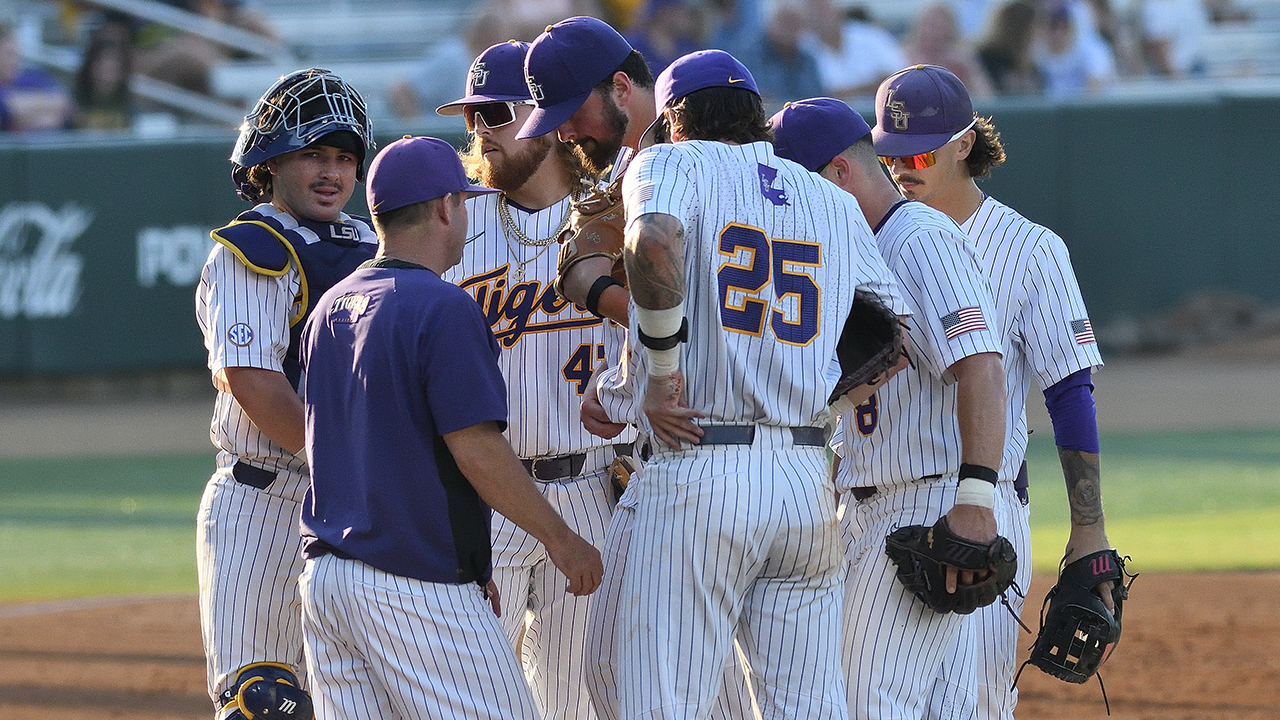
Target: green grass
<point>108,526</point>
<point>99,526</point>
<point>1174,500</point>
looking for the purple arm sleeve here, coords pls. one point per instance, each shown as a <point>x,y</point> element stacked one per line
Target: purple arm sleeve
<point>1071,408</point>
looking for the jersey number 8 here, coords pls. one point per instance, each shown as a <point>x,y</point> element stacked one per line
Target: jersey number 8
<point>741,307</point>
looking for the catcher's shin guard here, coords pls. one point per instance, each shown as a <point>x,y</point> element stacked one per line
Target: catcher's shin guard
<point>265,691</point>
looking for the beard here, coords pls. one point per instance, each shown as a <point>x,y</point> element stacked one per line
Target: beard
<point>597,154</point>
<point>514,169</point>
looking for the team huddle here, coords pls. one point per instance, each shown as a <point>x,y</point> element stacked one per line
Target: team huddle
<point>623,318</point>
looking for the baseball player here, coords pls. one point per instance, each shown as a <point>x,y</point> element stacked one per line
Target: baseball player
<point>604,104</point>
<point>550,350</point>
<point>405,406</point>
<point>299,155</point>
<point>1044,328</point>
<point>595,92</point>
<point>929,442</point>
<point>742,269</point>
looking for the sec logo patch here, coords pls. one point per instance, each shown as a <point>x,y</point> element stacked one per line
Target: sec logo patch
<point>240,334</point>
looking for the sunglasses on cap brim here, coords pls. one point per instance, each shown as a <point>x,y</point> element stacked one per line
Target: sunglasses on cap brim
<point>494,115</point>
<point>924,159</point>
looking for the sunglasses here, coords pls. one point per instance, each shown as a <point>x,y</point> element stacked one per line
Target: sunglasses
<point>494,115</point>
<point>924,159</point>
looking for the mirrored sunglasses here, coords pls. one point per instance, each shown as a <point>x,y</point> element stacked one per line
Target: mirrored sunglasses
<point>494,115</point>
<point>924,159</point>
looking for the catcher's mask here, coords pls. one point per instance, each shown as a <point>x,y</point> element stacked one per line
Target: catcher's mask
<point>298,110</point>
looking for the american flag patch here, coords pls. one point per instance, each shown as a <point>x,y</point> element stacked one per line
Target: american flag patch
<point>1083,330</point>
<point>644,193</point>
<point>962,321</point>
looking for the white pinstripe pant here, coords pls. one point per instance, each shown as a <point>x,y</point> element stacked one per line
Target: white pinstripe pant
<point>389,647</point>
<point>532,590</point>
<point>995,632</point>
<point>732,541</point>
<point>248,558</point>
<point>601,653</point>
<point>894,644</point>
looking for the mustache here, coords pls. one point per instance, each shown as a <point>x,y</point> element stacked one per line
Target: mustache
<point>907,178</point>
<point>325,185</point>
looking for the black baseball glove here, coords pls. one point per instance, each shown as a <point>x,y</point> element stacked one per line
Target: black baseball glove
<point>923,553</point>
<point>870,344</point>
<point>1077,634</point>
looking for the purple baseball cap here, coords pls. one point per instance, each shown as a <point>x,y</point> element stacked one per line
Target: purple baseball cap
<point>919,109</point>
<point>812,132</point>
<point>496,76</point>
<point>698,71</point>
<point>413,170</point>
<point>563,65</point>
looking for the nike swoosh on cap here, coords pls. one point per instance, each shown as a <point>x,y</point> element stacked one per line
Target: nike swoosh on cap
<point>733,80</point>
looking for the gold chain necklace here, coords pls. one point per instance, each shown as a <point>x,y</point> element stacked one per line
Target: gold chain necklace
<point>509,228</point>
<point>509,225</point>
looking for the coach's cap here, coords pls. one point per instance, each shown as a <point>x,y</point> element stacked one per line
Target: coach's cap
<point>919,109</point>
<point>812,132</point>
<point>564,64</point>
<point>496,76</point>
<point>414,170</point>
<point>698,71</point>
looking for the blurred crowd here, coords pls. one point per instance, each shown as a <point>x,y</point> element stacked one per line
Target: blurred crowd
<point>96,93</point>
<point>794,48</point>
<point>806,48</point>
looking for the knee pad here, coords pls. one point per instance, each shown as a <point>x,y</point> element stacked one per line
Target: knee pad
<point>265,691</point>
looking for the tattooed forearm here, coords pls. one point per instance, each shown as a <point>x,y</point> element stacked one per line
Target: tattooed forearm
<point>1084,486</point>
<point>654,258</point>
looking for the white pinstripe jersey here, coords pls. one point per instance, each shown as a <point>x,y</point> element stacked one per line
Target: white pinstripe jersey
<point>550,347</point>
<point>773,254</point>
<point>244,317</point>
<point>909,429</point>
<point>1044,323</point>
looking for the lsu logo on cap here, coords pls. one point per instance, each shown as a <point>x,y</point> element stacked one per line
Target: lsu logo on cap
<point>534,88</point>
<point>240,334</point>
<point>897,111</point>
<point>479,74</point>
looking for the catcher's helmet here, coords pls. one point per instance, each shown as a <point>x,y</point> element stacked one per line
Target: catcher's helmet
<point>297,110</point>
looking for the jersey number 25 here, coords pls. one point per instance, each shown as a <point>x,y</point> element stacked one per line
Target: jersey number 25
<point>742,309</point>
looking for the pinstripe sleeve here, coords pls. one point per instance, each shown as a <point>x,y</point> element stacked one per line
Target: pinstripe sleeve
<point>247,323</point>
<point>876,276</point>
<point>660,180</point>
<point>941,281</point>
<point>1059,335</point>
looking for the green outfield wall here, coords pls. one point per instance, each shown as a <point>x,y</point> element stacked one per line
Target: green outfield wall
<point>101,239</point>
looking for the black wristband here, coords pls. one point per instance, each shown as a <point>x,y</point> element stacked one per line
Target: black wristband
<point>980,472</point>
<point>602,283</point>
<point>668,342</point>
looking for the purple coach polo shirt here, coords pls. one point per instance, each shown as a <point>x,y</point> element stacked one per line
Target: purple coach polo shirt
<point>396,358</point>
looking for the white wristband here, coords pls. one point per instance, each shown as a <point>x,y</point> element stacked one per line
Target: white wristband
<point>660,323</point>
<point>973,491</point>
<point>663,362</point>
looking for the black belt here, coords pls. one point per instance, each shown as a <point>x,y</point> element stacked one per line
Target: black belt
<point>746,435</point>
<point>564,466</point>
<point>255,477</point>
<point>863,494</point>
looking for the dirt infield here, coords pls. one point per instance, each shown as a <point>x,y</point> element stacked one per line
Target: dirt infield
<point>1196,647</point>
